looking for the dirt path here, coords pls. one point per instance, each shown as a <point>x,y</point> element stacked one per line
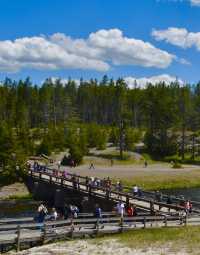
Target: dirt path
<point>121,171</point>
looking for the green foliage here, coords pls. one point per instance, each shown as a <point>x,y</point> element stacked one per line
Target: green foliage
<point>44,147</point>
<point>114,135</point>
<point>132,136</point>
<point>65,161</point>
<point>41,119</point>
<point>76,154</point>
<point>160,145</point>
<point>97,136</point>
<point>176,165</point>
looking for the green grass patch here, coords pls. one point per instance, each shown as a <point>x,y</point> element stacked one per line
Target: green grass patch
<point>164,180</point>
<point>115,156</point>
<point>178,237</point>
<point>20,197</point>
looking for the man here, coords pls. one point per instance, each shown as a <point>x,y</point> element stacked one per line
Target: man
<point>120,209</point>
<point>135,190</point>
<point>98,213</point>
<point>92,166</point>
<point>42,212</point>
<point>54,214</point>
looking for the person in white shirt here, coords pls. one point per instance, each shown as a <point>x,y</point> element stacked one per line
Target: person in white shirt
<point>135,190</point>
<point>120,209</point>
<point>54,215</point>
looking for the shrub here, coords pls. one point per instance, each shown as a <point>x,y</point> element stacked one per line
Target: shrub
<point>75,154</point>
<point>177,165</point>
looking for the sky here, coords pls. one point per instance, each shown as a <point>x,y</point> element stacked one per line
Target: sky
<point>143,40</point>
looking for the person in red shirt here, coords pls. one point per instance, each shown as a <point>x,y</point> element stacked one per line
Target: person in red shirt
<point>130,211</point>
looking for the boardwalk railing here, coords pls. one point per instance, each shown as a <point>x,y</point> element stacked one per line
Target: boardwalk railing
<point>27,234</point>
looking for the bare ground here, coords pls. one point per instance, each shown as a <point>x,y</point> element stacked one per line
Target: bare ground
<point>16,189</point>
<point>105,247</point>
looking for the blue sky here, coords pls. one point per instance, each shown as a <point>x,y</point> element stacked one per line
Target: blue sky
<point>116,39</point>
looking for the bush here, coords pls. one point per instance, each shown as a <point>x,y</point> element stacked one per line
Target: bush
<point>176,165</point>
<point>44,148</point>
<point>132,136</point>
<point>97,136</point>
<point>75,154</point>
<point>65,161</point>
<point>161,145</point>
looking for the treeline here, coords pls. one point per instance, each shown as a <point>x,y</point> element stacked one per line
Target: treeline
<point>38,119</point>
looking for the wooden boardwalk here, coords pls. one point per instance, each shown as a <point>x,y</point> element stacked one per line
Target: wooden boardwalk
<point>145,203</point>
<point>34,233</point>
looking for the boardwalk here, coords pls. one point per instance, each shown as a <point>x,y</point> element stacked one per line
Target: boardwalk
<point>145,203</point>
<point>32,233</point>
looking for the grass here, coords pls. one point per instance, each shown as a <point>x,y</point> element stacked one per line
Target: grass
<point>165,180</point>
<point>112,155</point>
<point>176,237</point>
<point>20,197</point>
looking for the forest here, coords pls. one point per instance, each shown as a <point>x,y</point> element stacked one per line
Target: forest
<point>52,116</point>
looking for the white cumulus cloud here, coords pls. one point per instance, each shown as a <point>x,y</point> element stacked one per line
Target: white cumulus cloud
<point>99,51</point>
<point>142,82</point>
<point>178,36</point>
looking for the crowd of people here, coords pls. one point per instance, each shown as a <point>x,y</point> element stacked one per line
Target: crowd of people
<point>72,212</point>
<point>105,184</point>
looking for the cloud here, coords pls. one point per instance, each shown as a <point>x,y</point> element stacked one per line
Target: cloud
<point>131,81</point>
<point>142,82</point>
<point>100,51</point>
<point>195,2</point>
<point>41,53</point>
<point>128,51</point>
<point>178,37</point>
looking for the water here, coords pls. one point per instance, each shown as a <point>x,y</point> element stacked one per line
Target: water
<point>28,208</point>
<point>21,208</point>
<point>190,193</point>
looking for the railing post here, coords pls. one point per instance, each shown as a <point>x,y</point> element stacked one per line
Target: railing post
<point>181,220</point>
<point>72,228</point>
<point>127,200</point>
<point>97,227</point>
<point>18,238</point>
<point>61,181</point>
<point>186,220</point>
<point>44,233</point>
<point>50,179</point>
<point>144,222</point>
<point>40,175</point>
<point>121,224</point>
<point>165,220</point>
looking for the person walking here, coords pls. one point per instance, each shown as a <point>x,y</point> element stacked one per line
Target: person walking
<point>91,166</point>
<point>42,212</point>
<point>130,210</point>
<point>135,190</point>
<point>54,214</point>
<point>120,209</point>
<point>98,213</point>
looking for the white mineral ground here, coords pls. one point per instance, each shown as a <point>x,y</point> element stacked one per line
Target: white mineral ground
<point>16,189</point>
<point>99,247</point>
